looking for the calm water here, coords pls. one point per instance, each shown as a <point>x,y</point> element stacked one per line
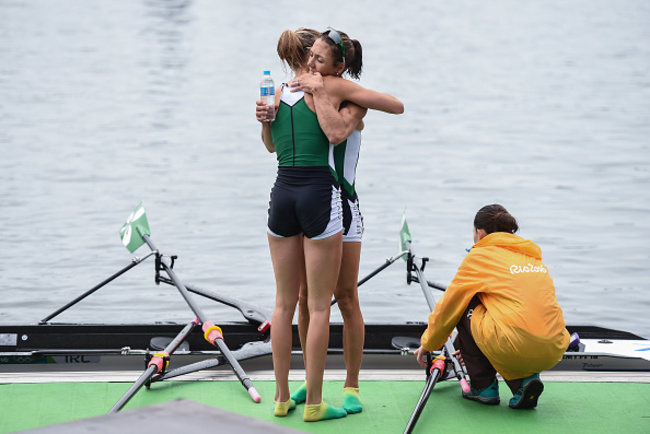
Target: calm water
<point>543,107</point>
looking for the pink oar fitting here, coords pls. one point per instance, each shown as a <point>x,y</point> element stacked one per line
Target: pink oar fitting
<point>438,364</point>
<point>256,396</point>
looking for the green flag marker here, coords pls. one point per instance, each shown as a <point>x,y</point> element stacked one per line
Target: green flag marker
<point>404,234</point>
<point>134,229</point>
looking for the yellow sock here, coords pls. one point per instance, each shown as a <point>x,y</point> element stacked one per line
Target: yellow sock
<point>351,400</point>
<point>282,408</point>
<point>322,411</point>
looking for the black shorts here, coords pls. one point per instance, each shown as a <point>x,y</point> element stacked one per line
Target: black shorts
<point>305,200</point>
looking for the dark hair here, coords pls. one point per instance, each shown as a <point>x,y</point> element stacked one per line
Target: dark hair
<point>353,53</point>
<point>495,218</point>
<point>293,45</point>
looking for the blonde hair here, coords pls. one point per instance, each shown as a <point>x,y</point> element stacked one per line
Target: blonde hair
<point>293,46</point>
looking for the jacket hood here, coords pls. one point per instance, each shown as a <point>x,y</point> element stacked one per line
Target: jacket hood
<point>511,242</point>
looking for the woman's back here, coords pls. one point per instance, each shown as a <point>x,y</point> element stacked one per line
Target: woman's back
<point>519,314</point>
<point>516,288</point>
<point>297,136</point>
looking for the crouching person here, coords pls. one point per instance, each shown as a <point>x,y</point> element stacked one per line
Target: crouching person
<point>502,302</point>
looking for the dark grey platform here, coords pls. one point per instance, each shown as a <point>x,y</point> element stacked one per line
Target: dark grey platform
<point>180,416</point>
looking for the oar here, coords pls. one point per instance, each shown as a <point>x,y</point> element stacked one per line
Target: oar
<point>388,262</point>
<point>372,274</point>
<point>138,225</point>
<point>134,262</point>
<point>449,346</point>
<point>448,349</point>
<point>434,285</point>
<point>137,222</point>
<point>157,364</point>
<point>437,368</point>
<point>405,236</point>
<point>212,333</point>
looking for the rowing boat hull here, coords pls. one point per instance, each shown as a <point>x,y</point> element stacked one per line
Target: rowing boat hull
<point>94,347</point>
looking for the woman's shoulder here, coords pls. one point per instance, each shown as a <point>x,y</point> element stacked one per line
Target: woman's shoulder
<point>481,257</point>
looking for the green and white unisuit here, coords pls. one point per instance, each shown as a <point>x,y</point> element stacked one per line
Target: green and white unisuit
<point>346,157</point>
<point>298,139</point>
<point>306,195</point>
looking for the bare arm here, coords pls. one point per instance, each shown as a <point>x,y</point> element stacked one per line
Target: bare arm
<point>340,90</point>
<point>261,112</point>
<point>337,125</point>
<point>350,91</point>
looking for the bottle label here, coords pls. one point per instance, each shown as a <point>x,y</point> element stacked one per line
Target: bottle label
<point>264,91</point>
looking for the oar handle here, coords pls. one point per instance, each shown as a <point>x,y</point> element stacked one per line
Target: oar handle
<point>236,367</point>
<point>458,369</point>
<point>213,334</point>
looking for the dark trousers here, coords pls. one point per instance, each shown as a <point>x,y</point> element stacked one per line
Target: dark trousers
<point>480,370</point>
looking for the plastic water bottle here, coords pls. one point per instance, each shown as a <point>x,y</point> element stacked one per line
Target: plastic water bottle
<point>267,94</point>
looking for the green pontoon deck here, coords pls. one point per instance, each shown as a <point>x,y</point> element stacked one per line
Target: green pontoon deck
<point>65,378</point>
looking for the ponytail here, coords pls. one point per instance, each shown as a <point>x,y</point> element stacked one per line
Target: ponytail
<point>293,45</point>
<point>353,60</point>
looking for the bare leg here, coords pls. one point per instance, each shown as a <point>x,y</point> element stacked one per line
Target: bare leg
<point>300,394</point>
<point>286,255</point>
<point>303,314</point>
<point>322,263</point>
<point>347,297</point>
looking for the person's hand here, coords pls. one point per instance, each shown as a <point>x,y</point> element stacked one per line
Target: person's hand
<point>309,83</point>
<point>263,111</point>
<point>460,357</point>
<point>419,355</point>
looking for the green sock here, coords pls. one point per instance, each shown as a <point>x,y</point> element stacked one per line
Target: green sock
<point>351,400</point>
<point>322,411</point>
<point>282,408</point>
<point>300,395</point>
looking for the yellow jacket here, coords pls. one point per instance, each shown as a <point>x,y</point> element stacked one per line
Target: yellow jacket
<point>519,327</point>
